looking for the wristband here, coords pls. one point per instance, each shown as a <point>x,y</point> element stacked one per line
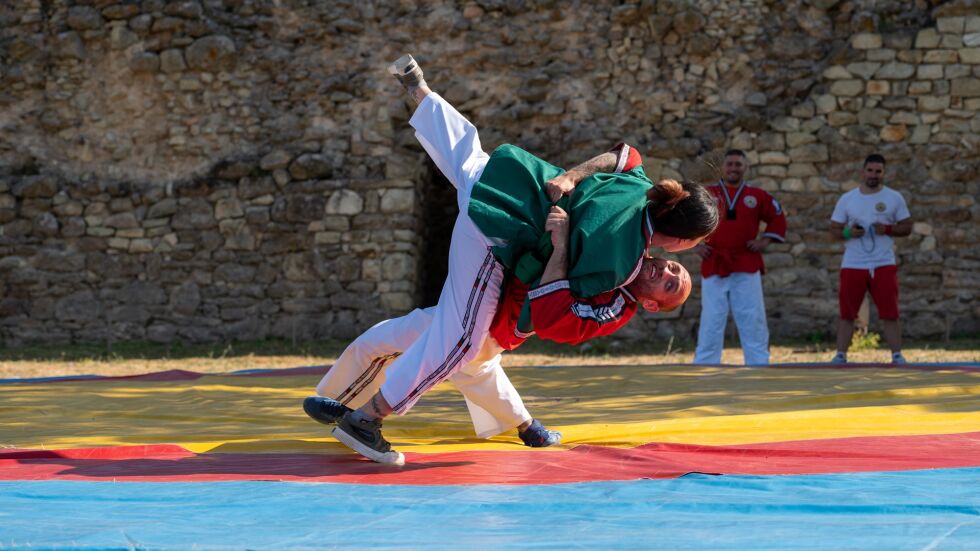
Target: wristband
<point>846,233</point>
<point>888,229</point>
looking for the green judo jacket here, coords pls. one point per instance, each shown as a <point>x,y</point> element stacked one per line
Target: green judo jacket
<point>609,228</point>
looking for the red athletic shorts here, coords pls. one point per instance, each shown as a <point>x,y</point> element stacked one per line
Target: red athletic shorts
<point>883,286</point>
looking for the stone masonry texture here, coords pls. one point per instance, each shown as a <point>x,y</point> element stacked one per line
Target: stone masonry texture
<point>237,169</point>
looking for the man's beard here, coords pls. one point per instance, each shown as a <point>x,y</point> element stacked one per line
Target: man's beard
<point>872,183</point>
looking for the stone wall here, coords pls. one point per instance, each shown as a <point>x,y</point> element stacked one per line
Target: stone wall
<point>232,169</point>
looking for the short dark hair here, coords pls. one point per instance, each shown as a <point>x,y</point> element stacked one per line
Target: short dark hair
<point>738,152</point>
<point>874,158</point>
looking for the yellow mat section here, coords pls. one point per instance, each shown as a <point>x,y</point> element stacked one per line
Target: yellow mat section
<point>612,406</point>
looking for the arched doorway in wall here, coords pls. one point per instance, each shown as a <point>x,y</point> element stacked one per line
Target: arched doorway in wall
<point>439,211</point>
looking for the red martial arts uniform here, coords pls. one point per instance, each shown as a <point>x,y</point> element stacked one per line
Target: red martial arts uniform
<point>751,205</point>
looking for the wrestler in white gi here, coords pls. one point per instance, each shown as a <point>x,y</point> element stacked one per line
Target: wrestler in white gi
<point>461,322</point>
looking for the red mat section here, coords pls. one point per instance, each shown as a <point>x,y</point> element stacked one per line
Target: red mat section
<point>167,463</point>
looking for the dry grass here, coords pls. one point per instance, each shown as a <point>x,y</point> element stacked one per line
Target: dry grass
<point>135,358</point>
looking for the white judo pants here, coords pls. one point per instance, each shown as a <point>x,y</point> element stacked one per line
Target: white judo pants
<point>494,404</point>
<point>742,293</point>
<point>461,319</point>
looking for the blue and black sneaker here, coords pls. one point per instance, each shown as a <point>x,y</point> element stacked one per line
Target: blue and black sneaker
<point>365,438</point>
<point>537,436</point>
<point>325,410</point>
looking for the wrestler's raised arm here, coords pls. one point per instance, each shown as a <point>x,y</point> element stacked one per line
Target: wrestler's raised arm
<point>621,158</point>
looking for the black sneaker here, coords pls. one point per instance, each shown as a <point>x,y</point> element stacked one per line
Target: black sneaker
<point>365,438</point>
<point>324,410</point>
<point>537,436</point>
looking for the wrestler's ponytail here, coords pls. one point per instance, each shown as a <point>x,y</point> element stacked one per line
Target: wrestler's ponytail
<point>683,210</point>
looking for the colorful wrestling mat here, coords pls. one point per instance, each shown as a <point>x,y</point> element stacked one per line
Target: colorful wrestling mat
<point>653,457</point>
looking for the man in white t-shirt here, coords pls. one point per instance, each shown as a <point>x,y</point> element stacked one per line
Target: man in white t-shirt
<point>867,219</point>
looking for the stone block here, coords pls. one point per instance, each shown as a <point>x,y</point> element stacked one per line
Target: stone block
<point>933,103</point>
<point>895,71</point>
<point>904,117</point>
<point>193,213</point>
<point>866,41</point>
<point>965,87</point>
<point>397,302</point>
<point>771,171</point>
<point>121,38</point>
<point>894,133</point>
<point>162,208</point>
<point>929,72</point>
<point>794,139</point>
<point>970,56</point>
<point>878,88</point>
<point>238,235</point>
<point>951,25</point>
<point>275,160</point>
<point>956,71</point>
<point>804,110</point>
<point>873,117</point>
<point>836,72</point>
<point>228,208</point>
<point>838,119</point>
<point>35,187</point>
<point>131,233</point>
<point>311,166</point>
<point>142,245</point>
<point>941,56</point>
<point>172,61</point>
<point>825,103</point>
<point>118,243</point>
<point>770,141</point>
<point>951,41</point>
<point>774,158</point>
<point>122,220</point>
<point>84,18</point>
<point>321,238</point>
<point>810,153</point>
<point>346,202</point>
<point>927,38</point>
<point>398,200</point>
<point>213,53</point>
<point>847,88</point>
<point>864,69</point>
<point>234,273</point>
<point>881,54</point>
<point>792,185</point>
<point>785,124</point>
<point>81,306</point>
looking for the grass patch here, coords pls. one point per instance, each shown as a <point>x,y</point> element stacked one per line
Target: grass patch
<point>124,351</point>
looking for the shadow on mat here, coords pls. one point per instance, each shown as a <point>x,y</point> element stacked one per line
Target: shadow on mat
<point>251,464</point>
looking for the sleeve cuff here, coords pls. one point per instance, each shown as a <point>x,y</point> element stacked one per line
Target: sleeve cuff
<point>548,288</point>
<point>774,237</point>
